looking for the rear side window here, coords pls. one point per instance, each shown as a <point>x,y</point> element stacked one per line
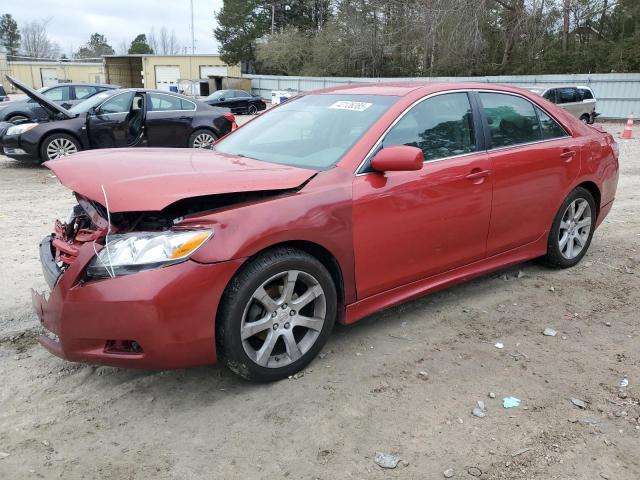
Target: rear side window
<point>85,91</point>
<point>550,95</point>
<point>187,105</point>
<point>441,126</point>
<point>164,102</point>
<point>512,120</point>
<point>567,95</point>
<point>586,94</point>
<point>549,127</point>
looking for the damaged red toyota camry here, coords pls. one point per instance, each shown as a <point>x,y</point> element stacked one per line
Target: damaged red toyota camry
<point>332,206</point>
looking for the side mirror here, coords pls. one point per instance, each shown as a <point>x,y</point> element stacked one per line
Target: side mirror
<point>91,111</point>
<point>221,99</point>
<point>398,158</point>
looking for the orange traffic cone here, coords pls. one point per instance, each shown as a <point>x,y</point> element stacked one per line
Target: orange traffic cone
<point>628,129</point>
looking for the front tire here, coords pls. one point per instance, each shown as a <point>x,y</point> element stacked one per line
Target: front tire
<point>202,138</point>
<point>252,109</point>
<point>572,230</point>
<point>276,314</point>
<point>58,145</point>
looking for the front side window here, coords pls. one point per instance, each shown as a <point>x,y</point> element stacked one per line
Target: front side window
<point>549,127</point>
<point>512,120</point>
<point>57,94</point>
<point>310,131</point>
<point>441,126</point>
<point>117,104</point>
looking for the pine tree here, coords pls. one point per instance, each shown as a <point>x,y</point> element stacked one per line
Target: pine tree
<point>9,34</point>
<point>97,46</point>
<point>140,45</point>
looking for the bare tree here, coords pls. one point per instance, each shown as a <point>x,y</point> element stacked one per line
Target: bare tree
<point>36,42</point>
<point>152,40</point>
<point>168,43</point>
<point>123,47</point>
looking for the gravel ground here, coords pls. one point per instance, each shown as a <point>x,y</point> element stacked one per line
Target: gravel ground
<point>402,382</point>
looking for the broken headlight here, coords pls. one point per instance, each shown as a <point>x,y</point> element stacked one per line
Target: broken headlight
<point>137,251</point>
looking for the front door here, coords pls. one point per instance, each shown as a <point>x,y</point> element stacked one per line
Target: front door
<point>108,125</point>
<point>411,225</point>
<point>533,159</point>
<point>169,120</point>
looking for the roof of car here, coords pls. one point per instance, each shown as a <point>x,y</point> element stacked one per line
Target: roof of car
<point>78,84</point>
<point>406,88</point>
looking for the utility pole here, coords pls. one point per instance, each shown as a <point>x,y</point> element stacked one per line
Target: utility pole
<point>193,34</point>
<point>273,15</point>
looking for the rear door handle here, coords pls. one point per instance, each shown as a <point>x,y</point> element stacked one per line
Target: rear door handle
<point>477,174</point>
<point>568,155</point>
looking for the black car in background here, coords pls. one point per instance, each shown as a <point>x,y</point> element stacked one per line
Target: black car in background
<point>115,118</point>
<point>238,101</point>
<point>66,95</point>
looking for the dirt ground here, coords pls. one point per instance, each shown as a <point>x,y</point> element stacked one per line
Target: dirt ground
<point>403,381</point>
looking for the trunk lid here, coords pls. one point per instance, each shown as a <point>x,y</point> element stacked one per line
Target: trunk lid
<point>151,179</point>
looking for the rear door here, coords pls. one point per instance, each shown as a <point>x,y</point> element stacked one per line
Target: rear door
<point>411,225</point>
<point>168,120</point>
<point>108,125</point>
<point>533,160</point>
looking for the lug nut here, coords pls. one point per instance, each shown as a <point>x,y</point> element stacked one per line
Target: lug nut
<point>273,314</point>
<point>292,313</point>
<point>287,325</point>
<point>284,306</point>
<point>275,326</point>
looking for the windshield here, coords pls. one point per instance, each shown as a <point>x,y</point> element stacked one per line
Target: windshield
<point>85,105</point>
<point>312,131</point>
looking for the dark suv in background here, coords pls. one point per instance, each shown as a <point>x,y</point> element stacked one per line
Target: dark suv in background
<point>66,95</point>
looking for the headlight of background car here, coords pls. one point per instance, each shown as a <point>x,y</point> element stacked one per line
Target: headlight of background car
<point>137,251</point>
<point>22,128</point>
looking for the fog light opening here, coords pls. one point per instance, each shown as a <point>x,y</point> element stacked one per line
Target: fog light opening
<point>123,347</point>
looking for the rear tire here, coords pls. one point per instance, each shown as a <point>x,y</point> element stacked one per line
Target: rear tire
<point>252,109</point>
<point>572,230</point>
<point>202,138</point>
<point>275,315</point>
<point>58,145</point>
<point>586,119</point>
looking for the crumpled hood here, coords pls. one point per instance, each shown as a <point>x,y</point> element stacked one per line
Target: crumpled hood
<point>151,179</point>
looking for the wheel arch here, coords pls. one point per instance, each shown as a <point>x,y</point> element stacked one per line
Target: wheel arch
<point>204,127</point>
<point>320,253</point>
<point>593,189</point>
<point>60,130</point>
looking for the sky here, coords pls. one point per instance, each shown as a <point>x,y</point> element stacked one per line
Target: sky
<point>73,21</point>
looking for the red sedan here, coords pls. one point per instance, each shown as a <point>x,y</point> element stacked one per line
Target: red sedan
<point>332,206</point>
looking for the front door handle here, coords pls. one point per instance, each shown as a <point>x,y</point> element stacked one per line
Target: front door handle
<point>568,155</point>
<point>477,174</point>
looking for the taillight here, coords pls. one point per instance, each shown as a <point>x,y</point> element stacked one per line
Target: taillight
<point>232,119</point>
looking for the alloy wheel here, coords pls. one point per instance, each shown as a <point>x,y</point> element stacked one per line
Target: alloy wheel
<point>575,228</point>
<point>60,147</point>
<point>253,110</point>
<point>203,140</point>
<point>283,319</point>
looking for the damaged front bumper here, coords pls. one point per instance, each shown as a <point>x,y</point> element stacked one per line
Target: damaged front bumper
<point>169,313</point>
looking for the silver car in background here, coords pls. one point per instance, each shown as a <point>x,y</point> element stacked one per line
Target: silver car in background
<point>578,100</point>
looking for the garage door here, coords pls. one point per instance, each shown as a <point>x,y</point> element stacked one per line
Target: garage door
<point>207,71</point>
<point>49,76</point>
<point>167,76</point>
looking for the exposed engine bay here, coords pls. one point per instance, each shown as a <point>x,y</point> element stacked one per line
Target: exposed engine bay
<point>89,221</point>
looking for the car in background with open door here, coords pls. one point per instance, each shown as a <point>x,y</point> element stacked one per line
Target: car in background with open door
<point>115,118</point>
<point>238,101</point>
<point>66,95</point>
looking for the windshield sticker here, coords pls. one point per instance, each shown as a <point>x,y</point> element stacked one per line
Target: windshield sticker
<point>354,106</point>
